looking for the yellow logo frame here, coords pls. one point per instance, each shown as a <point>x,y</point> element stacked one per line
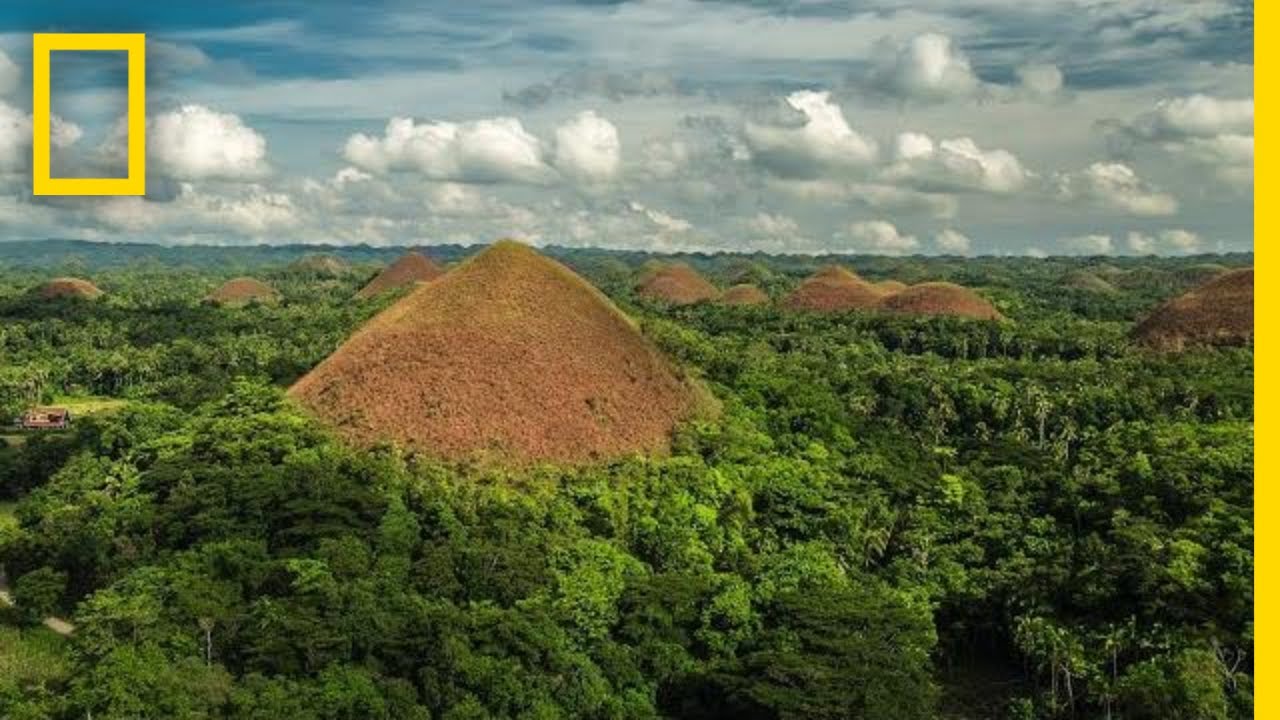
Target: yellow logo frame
<point>42,45</point>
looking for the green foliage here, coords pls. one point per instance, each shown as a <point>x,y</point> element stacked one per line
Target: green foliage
<point>39,593</point>
<point>892,518</point>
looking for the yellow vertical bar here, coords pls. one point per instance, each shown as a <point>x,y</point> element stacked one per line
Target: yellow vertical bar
<point>39,112</point>
<point>138,115</point>
<point>1266,301</point>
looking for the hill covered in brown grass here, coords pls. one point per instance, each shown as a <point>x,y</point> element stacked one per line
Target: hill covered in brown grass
<point>242,291</point>
<point>1219,312</point>
<point>68,287</point>
<point>833,289</point>
<point>744,294</point>
<point>511,356</point>
<point>409,269</point>
<point>676,284</point>
<point>940,298</point>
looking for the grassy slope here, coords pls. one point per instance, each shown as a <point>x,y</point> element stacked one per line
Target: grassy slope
<point>31,656</point>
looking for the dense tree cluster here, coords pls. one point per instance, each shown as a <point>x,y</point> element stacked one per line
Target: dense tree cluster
<point>893,518</point>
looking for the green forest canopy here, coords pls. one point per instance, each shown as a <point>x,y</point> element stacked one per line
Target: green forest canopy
<point>893,518</point>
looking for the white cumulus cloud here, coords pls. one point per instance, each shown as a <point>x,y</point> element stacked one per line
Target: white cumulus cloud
<point>482,151</point>
<point>15,136</point>
<point>1174,241</point>
<point>1195,116</point>
<point>253,212</point>
<point>1206,132</point>
<point>880,236</point>
<point>823,139</point>
<point>956,164</point>
<point>952,242</point>
<point>587,148</point>
<point>926,67</point>
<point>1116,186</point>
<point>197,143</point>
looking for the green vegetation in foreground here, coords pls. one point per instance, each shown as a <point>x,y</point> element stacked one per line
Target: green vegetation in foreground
<point>894,518</point>
<point>8,520</point>
<point>32,661</point>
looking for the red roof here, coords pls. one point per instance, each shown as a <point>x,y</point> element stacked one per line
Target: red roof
<point>45,417</point>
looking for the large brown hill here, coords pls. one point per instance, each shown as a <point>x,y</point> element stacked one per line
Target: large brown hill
<point>677,284</point>
<point>242,291</point>
<point>940,298</point>
<point>511,356</point>
<point>1219,312</point>
<point>833,289</point>
<point>68,287</point>
<point>744,294</point>
<point>411,268</point>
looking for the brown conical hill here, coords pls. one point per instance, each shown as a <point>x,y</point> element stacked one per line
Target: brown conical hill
<point>242,291</point>
<point>1219,312</point>
<point>510,356</point>
<point>889,287</point>
<point>68,287</point>
<point>677,284</point>
<point>320,264</point>
<point>833,289</point>
<point>744,294</point>
<point>411,268</point>
<point>941,298</point>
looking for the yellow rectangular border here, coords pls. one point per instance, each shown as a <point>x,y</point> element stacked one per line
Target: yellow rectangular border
<point>135,45</point>
<point>1266,640</point>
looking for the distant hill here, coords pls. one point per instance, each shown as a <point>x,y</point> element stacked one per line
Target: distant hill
<point>411,268</point>
<point>242,291</point>
<point>1219,312</point>
<point>68,287</point>
<point>833,289</point>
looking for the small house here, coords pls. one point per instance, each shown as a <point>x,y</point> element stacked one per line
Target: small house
<point>46,419</point>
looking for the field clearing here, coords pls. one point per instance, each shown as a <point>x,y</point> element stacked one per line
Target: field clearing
<point>88,405</point>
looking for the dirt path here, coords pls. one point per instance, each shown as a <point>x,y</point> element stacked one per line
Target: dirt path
<point>58,625</point>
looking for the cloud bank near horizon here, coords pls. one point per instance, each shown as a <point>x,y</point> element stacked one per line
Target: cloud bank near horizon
<point>980,126</point>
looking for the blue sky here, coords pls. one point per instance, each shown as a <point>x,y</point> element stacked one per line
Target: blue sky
<point>968,126</point>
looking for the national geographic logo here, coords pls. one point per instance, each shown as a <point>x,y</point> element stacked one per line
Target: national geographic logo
<point>135,182</point>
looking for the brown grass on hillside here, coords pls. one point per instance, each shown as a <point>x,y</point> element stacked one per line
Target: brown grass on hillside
<point>744,294</point>
<point>68,287</point>
<point>676,284</point>
<point>833,289</point>
<point>242,291</point>
<point>320,264</point>
<point>412,267</point>
<point>940,298</point>
<point>1219,312</point>
<point>511,356</point>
